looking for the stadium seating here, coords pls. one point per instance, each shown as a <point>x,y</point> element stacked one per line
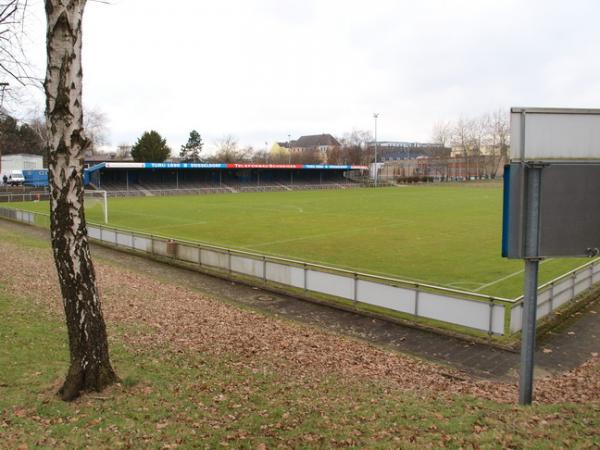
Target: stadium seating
<point>206,183</point>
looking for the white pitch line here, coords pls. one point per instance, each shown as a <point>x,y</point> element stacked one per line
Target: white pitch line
<point>462,284</point>
<point>518,272</point>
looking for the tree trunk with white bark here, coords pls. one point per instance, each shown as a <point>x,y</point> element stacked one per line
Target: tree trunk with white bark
<point>90,368</point>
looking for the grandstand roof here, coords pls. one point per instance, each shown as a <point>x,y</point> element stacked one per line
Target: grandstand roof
<point>166,165</point>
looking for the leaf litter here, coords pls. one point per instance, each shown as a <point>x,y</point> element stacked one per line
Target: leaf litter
<point>177,318</point>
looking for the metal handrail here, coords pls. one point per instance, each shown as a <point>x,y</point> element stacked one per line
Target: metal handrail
<point>548,284</point>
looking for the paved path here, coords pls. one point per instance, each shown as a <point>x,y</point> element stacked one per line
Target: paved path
<point>566,347</point>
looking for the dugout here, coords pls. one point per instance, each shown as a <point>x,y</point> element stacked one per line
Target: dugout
<point>160,176</point>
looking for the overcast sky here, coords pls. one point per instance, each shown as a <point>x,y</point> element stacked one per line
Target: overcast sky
<point>260,69</point>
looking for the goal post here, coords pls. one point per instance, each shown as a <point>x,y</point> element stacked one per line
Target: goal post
<point>96,199</point>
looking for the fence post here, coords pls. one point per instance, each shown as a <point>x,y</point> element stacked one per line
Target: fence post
<point>591,275</point>
<point>264,259</point>
<point>229,261</point>
<point>573,285</point>
<point>152,245</point>
<point>416,300</point>
<point>551,296</point>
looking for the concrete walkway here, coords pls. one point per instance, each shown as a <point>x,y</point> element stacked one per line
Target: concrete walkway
<point>566,347</point>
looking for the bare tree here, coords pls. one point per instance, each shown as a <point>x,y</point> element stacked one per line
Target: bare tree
<point>90,368</point>
<point>228,151</point>
<point>441,133</point>
<point>355,148</point>
<point>12,65</point>
<point>95,127</point>
<point>480,131</point>
<point>499,140</point>
<point>279,154</point>
<point>260,157</point>
<point>463,138</point>
<point>12,58</point>
<point>335,155</point>
<point>123,151</point>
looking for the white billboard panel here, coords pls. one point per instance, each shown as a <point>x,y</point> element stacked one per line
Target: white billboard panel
<point>554,134</point>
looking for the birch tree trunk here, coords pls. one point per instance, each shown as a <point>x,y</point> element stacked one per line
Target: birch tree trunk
<point>90,368</point>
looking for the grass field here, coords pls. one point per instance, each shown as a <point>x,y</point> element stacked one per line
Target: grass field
<point>448,235</point>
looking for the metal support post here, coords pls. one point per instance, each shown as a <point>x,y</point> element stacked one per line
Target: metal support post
<point>491,319</point>
<point>105,195</point>
<point>532,262</point>
<point>416,300</point>
<point>305,278</point>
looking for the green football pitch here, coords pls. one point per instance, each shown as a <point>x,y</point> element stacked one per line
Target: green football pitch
<point>447,235</point>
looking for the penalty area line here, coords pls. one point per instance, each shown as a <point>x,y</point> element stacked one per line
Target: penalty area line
<point>499,280</point>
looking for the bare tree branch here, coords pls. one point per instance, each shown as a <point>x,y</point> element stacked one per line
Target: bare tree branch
<point>13,61</point>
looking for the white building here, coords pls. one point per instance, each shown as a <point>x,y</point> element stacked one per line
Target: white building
<point>20,161</point>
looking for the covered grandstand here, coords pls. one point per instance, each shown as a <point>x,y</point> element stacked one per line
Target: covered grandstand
<point>137,178</point>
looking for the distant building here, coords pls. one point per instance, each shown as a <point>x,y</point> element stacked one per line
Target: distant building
<point>401,150</point>
<point>321,143</point>
<point>445,168</point>
<point>20,161</point>
<point>486,150</point>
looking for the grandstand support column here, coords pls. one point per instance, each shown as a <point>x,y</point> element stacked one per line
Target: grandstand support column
<point>127,178</point>
<point>177,179</point>
<point>220,178</point>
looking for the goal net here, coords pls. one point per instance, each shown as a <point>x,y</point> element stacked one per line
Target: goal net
<point>96,204</point>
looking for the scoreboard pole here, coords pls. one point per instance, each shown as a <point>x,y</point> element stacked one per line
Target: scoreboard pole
<point>532,262</point>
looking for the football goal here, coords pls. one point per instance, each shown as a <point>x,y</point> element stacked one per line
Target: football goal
<point>96,203</point>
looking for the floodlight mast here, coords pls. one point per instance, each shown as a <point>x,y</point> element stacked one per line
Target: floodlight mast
<point>3,86</point>
<point>375,116</point>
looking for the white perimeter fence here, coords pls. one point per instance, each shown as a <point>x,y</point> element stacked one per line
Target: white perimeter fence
<point>24,196</point>
<point>493,315</point>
